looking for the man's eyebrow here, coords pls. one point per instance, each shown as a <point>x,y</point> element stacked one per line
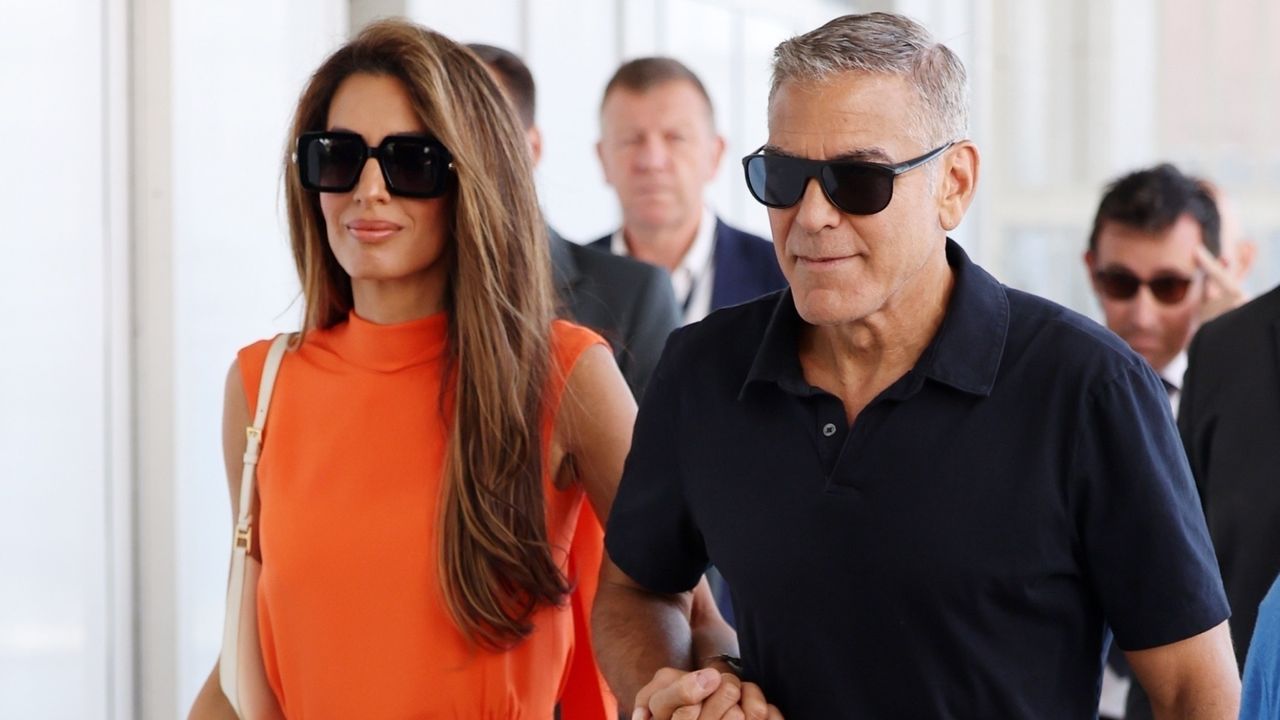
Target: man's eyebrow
<point>869,154</point>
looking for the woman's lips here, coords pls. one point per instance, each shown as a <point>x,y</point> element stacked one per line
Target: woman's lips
<point>372,230</point>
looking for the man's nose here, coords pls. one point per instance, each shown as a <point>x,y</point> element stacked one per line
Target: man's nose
<point>814,211</point>
<point>652,153</point>
<point>1144,309</point>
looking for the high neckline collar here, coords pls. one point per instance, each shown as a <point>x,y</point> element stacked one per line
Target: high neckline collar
<point>388,348</point>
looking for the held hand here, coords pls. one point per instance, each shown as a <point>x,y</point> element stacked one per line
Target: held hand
<point>673,690</point>
<point>704,695</point>
<point>1222,292</point>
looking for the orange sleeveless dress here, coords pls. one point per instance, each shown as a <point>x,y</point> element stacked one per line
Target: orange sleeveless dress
<point>352,618</point>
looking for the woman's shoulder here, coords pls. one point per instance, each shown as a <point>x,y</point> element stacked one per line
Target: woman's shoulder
<point>256,350</point>
<point>569,340</point>
<point>569,343</point>
<point>251,360</point>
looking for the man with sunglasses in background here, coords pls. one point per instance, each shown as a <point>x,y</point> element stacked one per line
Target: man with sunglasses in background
<point>1144,259</point>
<point>929,492</point>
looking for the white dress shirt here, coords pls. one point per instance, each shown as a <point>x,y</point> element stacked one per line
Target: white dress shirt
<point>693,277</point>
<point>1172,376</point>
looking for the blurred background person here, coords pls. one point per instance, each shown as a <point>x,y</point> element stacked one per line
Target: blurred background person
<point>1143,258</point>
<point>659,150</point>
<point>627,301</point>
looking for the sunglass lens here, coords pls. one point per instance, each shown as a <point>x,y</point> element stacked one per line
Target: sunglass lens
<point>331,163</point>
<point>775,181</point>
<point>858,189</point>
<point>1170,290</point>
<point>415,167</point>
<point>1118,285</point>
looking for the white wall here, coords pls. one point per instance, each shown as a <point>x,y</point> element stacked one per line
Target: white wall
<point>63,458</point>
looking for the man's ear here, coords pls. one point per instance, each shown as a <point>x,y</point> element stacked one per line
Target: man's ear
<point>1246,251</point>
<point>604,167</point>
<point>533,136</point>
<point>959,181</point>
<point>717,155</point>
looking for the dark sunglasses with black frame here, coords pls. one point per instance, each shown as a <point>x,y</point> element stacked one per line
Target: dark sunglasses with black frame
<point>854,186</point>
<point>1120,284</point>
<point>415,166</point>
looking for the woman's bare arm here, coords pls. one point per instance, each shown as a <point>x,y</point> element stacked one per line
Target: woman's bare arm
<point>210,703</point>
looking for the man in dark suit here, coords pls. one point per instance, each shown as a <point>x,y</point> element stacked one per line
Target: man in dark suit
<point>1230,425</point>
<point>659,149</point>
<point>630,303</point>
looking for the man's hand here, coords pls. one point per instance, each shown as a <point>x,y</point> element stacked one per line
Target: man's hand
<point>707,694</point>
<point>1222,291</point>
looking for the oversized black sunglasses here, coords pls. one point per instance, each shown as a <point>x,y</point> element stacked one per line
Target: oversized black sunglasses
<point>1120,284</point>
<point>856,187</point>
<point>416,166</point>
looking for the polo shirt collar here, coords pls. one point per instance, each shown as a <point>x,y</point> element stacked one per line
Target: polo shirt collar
<point>964,354</point>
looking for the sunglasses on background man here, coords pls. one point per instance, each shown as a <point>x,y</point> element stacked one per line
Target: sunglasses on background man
<point>1120,284</point>
<point>416,166</point>
<point>854,186</point>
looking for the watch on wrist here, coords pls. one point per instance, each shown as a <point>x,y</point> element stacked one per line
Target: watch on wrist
<point>734,662</point>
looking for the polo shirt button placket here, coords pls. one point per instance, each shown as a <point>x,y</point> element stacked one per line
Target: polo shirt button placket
<point>828,430</point>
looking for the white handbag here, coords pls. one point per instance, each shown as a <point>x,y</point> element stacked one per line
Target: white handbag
<point>241,672</point>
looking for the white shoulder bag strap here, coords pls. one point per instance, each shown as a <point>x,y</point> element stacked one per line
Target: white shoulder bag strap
<point>240,669</point>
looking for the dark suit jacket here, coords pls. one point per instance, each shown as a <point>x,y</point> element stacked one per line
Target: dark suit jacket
<point>745,266</point>
<point>629,302</point>
<point>1229,419</point>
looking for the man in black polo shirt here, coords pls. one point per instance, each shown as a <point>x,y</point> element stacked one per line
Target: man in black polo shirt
<point>929,492</point>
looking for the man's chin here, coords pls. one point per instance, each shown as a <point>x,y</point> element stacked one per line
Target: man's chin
<point>828,308</point>
<point>1154,356</point>
<point>653,213</point>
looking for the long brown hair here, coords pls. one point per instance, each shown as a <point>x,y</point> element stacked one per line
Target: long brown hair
<point>496,566</point>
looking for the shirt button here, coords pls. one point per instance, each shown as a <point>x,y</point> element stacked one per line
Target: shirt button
<point>829,429</point>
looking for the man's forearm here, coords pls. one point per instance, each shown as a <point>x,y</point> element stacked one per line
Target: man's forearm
<point>636,633</point>
<point>1206,699</point>
<point>711,634</point>
<point>1191,678</point>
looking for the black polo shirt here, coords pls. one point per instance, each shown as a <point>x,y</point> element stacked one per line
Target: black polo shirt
<point>958,550</point>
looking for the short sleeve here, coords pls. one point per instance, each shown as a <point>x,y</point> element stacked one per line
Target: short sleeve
<point>651,534</point>
<point>1144,536</point>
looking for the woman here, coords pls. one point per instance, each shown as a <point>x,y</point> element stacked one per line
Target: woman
<point>433,434</point>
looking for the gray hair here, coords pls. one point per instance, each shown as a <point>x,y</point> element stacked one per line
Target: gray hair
<point>884,44</point>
